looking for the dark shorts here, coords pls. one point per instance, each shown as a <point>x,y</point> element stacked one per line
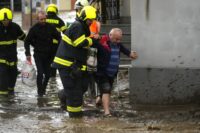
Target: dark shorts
<point>105,83</point>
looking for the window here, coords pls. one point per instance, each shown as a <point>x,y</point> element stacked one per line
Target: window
<point>47,2</point>
<point>51,1</point>
<point>54,1</point>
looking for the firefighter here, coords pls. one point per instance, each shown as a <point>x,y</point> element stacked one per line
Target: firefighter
<point>41,36</point>
<point>71,59</point>
<point>79,4</point>
<point>52,18</point>
<point>9,33</point>
<point>94,33</point>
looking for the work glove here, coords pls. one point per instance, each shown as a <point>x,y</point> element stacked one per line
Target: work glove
<point>75,71</point>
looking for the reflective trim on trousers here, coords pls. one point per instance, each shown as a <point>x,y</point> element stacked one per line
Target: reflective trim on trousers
<point>74,109</point>
<point>3,92</point>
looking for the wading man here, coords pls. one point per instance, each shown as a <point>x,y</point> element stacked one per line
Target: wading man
<point>41,37</point>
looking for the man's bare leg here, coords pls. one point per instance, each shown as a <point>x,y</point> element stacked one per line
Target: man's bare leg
<point>106,103</point>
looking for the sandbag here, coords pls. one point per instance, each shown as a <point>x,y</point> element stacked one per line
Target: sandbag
<point>28,74</point>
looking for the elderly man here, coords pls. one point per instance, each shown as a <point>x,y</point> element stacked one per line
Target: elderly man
<point>108,62</point>
<point>41,36</point>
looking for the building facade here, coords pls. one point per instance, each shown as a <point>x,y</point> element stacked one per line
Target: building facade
<point>165,33</point>
<point>16,5</point>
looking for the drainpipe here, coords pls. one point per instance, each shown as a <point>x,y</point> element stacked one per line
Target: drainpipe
<point>31,12</point>
<point>103,11</point>
<point>12,5</point>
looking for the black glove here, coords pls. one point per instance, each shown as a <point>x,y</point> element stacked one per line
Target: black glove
<point>75,70</point>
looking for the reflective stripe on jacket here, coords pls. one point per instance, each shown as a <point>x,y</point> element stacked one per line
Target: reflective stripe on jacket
<point>8,42</point>
<point>53,19</point>
<point>74,109</point>
<point>74,45</point>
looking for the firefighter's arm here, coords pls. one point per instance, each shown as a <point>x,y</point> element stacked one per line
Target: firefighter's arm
<point>79,42</point>
<point>56,36</point>
<point>27,47</point>
<point>20,34</point>
<point>28,41</point>
<point>62,26</point>
<point>75,36</point>
<point>79,38</point>
<point>83,42</point>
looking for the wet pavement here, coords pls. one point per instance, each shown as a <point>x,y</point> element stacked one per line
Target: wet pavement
<point>25,112</point>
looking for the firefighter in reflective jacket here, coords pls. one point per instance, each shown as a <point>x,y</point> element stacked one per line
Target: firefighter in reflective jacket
<point>52,18</point>
<point>71,59</point>
<point>9,33</point>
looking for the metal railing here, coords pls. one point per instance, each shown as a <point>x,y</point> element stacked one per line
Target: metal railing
<point>108,9</point>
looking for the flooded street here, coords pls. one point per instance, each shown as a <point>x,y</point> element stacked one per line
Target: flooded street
<point>25,112</point>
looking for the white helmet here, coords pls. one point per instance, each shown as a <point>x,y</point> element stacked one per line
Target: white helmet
<point>79,4</point>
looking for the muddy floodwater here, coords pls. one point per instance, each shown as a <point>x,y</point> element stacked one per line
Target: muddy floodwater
<point>26,113</point>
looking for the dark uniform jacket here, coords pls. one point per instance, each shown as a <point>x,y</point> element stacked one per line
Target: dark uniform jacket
<point>41,37</point>
<point>8,42</point>
<point>74,45</point>
<point>53,19</point>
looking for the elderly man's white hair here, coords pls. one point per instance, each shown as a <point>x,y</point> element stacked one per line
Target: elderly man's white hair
<point>115,30</point>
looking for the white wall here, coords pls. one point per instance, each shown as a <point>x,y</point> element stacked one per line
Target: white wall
<point>170,36</point>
